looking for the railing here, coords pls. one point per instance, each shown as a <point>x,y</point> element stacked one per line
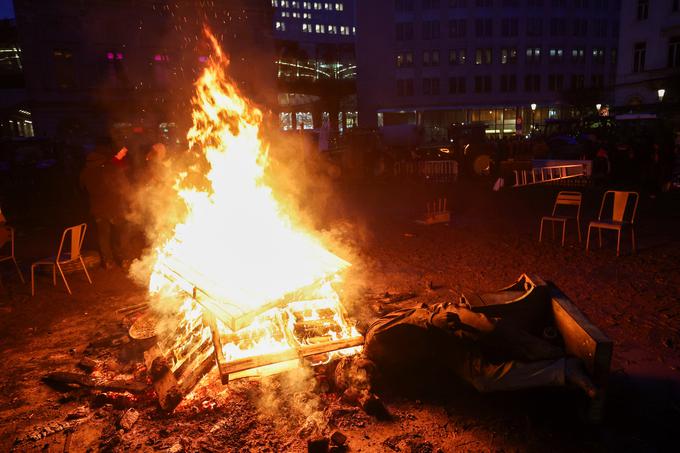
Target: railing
<point>548,174</point>
<point>431,170</point>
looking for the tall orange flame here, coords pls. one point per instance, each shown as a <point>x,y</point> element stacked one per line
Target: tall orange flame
<point>237,241</point>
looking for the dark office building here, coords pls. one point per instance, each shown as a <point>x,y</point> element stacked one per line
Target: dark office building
<point>438,62</point>
<point>96,64</point>
<point>316,63</point>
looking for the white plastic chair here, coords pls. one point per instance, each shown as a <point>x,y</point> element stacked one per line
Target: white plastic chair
<point>64,257</point>
<point>11,256</point>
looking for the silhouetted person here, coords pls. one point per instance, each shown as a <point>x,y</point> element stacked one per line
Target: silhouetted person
<point>104,177</point>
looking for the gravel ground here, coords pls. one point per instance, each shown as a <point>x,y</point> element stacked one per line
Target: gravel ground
<point>491,240</point>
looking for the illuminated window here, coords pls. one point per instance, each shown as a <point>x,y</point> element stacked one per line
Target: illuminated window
<point>339,7</point>
<point>457,56</point>
<point>328,6</point>
<point>404,59</point>
<point>578,55</point>
<point>483,56</point>
<point>332,29</point>
<point>533,54</point>
<point>307,28</point>
<point>275,3</point>
<point>320,28</point>
<point>280,26</point>
<point>296,15</point>
<point>344,30</point>
<point>284,4</point>
<point>318,6</point>
<point>285,14</point>
<point>295,5</point>
<point>307,5</point>
<point>598,55</point>
<point>508,55</point>
<point>555,55</point>
<point>306,15</point>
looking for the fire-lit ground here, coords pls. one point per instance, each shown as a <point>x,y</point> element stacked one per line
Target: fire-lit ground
<point>491,240</point>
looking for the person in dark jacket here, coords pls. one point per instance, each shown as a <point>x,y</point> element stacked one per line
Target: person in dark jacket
<point>105,180</point>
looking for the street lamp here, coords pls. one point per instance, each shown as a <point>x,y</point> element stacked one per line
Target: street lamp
<point>660,92</point>
<point>533,109</point>
<point>598,107</point>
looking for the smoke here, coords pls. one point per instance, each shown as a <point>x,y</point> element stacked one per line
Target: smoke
<point>289,400</point>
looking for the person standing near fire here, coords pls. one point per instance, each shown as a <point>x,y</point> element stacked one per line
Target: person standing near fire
<point>105,180</point>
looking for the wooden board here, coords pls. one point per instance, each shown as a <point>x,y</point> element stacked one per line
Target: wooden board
<point>233,316</point>
<point>247,363</point>
<point>582,338</point>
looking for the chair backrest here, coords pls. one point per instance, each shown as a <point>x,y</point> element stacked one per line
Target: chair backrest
<point>77,233</point>
<point>568,198</point>
<point>624,205</point>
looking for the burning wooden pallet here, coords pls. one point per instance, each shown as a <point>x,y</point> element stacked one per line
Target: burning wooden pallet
<point>209,332</point>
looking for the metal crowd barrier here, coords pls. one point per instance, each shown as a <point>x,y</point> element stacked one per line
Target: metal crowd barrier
<point>430,170</point>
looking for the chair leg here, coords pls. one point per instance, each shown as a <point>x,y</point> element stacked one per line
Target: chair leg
<point>85,269</point>
<point>54,275</point>
<point>618,242</point>
<point>21,276</point>
<point>599,236</point>
<point>578,228</point>
<point>564,229</point>
<point>63,277</point>
<point>588,239</point>
<point>632,236</point>
<point>32,279</point>
<point>540,232</point>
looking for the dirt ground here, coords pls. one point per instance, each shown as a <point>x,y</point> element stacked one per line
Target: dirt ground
<point>491,240</point>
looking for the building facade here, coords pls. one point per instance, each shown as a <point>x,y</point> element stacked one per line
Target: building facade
<point>316,63</point>
<point>15,120</point>
<point>440,62</point>
<point>97,64</point>
<point>648,73</point>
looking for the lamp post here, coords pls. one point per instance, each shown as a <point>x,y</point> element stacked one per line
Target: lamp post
<point>533,109</point>
<point>598,107</point>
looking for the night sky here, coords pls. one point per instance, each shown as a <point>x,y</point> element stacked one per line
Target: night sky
<point>6,9</point>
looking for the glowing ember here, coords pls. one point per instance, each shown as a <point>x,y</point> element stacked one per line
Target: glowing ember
<point>238,245</point>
